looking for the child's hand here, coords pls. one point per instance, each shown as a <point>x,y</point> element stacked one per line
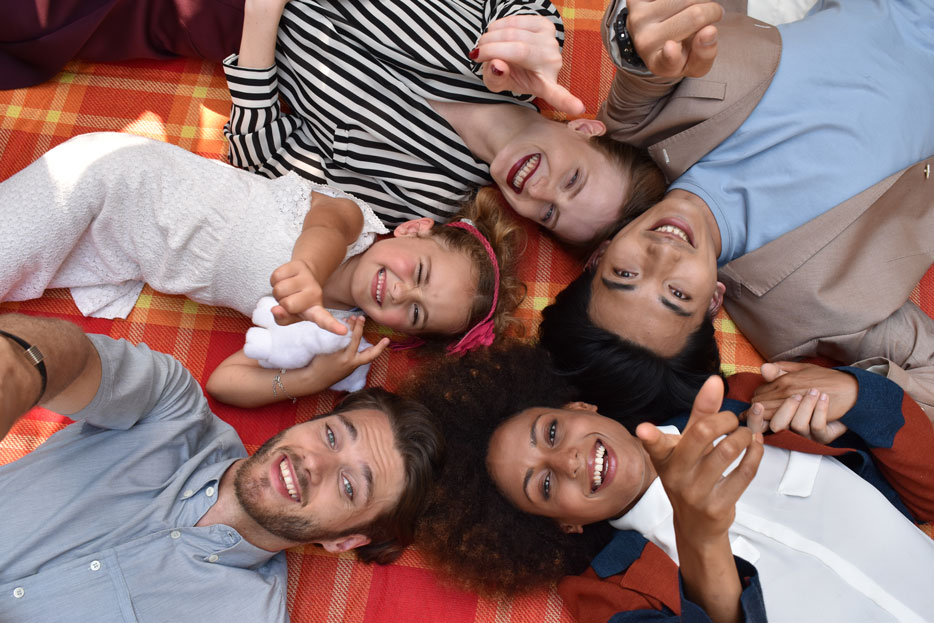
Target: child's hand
<point>691,467</point>
<point>340,364</point>
<point>520,54</point>
<point>300,297</point>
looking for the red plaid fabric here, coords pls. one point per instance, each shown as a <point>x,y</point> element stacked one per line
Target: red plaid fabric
<point>186,102</point>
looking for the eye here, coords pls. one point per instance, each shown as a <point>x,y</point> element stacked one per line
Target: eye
<point>418,274</point>
<point>546,487</point>
<point>573,179</point>
<point>330,435</point>
<point>415,314</point>
<point>551,432</point>
<point>624,274</point>
<point>548,213</point>
<point>678,294</point>
<point>348,487</point>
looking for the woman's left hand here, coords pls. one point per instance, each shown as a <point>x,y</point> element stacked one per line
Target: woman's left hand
<point>520,54</point>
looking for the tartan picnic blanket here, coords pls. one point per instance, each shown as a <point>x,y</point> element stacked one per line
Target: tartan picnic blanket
<point>186,102</point>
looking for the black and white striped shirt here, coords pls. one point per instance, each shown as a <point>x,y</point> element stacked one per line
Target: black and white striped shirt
<point>357,75</point>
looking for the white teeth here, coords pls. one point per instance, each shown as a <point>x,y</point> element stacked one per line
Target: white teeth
<point>598,466</point>
<point>523,173</point>
<point>380,284</point>
<point>287,479</point>
<point>671,229</point>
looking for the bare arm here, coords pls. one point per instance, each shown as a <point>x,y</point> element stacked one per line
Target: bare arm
<point>330,226</point>
<point>242,382</point>
<point>260,26</point>
<point>72,365</point>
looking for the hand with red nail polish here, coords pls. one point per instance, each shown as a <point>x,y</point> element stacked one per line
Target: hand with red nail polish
<point>521,54</point>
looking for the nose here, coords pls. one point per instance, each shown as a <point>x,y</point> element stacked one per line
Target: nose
<point>568,461</point>
<point>314,467</point>
<point>541,189</point>
<point>660,251</point>
<point>400,291</point>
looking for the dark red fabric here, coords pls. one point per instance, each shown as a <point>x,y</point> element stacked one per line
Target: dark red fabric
<point>37,37</point>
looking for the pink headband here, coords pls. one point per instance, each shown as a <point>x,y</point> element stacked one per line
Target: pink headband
<point>482,333</point>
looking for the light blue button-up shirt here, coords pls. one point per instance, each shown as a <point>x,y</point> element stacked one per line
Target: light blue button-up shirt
<point>99,521</point>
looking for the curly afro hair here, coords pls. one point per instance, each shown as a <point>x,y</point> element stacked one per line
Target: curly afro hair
<point>470,531</point>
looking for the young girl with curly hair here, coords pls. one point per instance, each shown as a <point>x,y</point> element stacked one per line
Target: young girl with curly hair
<point>743,529</point>
<point>103,213</point>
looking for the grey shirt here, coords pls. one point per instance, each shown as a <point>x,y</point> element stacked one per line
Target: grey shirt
<point>98,522</point>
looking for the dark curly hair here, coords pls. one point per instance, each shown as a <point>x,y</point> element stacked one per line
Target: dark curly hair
<point>470,531</point>
<point>626,381</point>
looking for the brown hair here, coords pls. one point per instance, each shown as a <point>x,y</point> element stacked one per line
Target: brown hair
<point>489,215</point>
<point>470,531</point>
<point>647,183</point>
<point>421,445</point>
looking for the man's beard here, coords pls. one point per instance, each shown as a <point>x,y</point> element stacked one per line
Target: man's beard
<point>249,490</point>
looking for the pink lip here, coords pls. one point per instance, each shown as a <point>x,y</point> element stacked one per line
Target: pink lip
<point>680,224</point>
<point>510,178</point>
<point>609,463</point>
<point>279,484</point>
<point>379,279</point>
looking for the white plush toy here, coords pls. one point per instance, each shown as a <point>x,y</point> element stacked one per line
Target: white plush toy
<point>295,345</point>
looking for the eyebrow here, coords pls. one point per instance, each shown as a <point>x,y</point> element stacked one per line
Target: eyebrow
<point>533,441</point>
<point>364,467</point>
<point>628,287</point>
<point>427,278</point>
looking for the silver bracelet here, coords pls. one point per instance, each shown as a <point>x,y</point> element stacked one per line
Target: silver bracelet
<point>277,385</point>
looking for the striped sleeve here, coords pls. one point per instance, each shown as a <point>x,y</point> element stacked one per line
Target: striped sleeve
<point>257,129</point>
<point>498,9</point>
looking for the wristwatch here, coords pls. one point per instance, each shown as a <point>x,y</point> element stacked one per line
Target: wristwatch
<point>34,357</point>
<point>624,52</point>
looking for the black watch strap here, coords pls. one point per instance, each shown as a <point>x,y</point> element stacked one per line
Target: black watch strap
<point>627,50</point>
<point>35,357</point>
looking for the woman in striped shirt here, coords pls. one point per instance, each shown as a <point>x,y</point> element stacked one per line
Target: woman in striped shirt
<point>410,106</point>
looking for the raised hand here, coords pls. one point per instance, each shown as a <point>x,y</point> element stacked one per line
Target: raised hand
<point>675,38</point>
<point>805,398</point>
<point>691,467</point>
<point>520,54</point>
<point>300,297</point>
<point>703,499</point>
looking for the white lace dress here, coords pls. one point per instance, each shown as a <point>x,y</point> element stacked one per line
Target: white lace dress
<point>103,213</point>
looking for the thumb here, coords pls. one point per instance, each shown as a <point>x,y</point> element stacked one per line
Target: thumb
<point>657,444</point>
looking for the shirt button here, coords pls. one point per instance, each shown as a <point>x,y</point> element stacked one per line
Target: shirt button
<point>18,592</point>
<point>212,558</point>
<point>209,492</point>
<point>175,534</point>
<point>188,493</point>
<point>95,565</point>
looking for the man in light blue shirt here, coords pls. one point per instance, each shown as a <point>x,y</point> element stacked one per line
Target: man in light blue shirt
<point>146,509</point>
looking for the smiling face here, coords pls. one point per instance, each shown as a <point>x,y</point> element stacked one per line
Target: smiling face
<point>322,479</point>
<point>657,279</point>
<point>570,464</point>
<point>414,284</point>
<point>551,174</point>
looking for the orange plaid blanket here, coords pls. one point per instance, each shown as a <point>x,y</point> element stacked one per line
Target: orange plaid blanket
<point>186,102</point>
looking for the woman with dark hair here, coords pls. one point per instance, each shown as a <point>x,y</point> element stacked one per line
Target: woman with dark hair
<point>731,512</point>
